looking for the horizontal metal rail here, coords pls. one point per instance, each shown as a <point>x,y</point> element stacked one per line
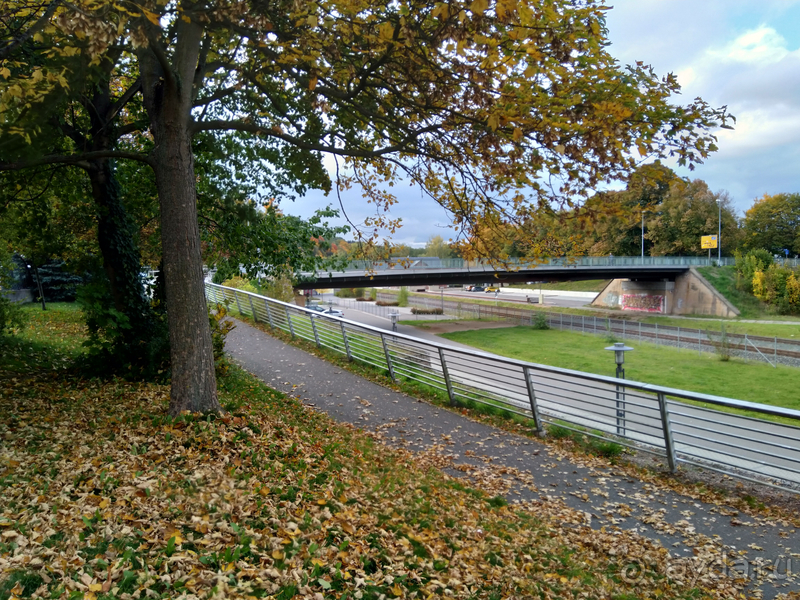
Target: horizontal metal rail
<point>651,418</point>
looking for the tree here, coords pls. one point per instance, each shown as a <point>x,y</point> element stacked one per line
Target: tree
<point>486,105</point>
<point>689,212</point>
<point>773,223</point>
<point>436,246</point>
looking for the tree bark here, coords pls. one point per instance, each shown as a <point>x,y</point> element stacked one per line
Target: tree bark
<point>167,98</point>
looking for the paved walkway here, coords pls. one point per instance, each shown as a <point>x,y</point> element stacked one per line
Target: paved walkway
<point>766,552</point>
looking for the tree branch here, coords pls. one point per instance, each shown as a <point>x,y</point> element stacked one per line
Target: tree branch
<point>80,160</point>
<point>6,51</point>
<point>222,125</point>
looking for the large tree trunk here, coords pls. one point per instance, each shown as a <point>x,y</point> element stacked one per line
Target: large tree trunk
<point>167,97</point>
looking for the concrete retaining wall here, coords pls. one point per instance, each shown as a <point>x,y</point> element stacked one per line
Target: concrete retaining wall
<point>689,294</point>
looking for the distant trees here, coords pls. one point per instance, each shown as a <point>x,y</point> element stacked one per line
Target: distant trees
<point>773,223</point>
<point>436,246</point>
<point>690,211</point>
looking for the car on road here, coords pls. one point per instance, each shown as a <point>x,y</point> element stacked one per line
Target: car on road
<point>333,312</point>
<point>315,307</point>
<point>475,288</point>
<point>491,288</point>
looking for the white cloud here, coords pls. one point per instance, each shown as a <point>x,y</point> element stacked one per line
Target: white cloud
<point>762,45</point>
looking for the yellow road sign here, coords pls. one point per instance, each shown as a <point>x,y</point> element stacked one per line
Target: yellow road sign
<point>708,241</point>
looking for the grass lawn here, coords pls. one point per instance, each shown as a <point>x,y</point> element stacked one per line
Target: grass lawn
<point>682,369</point>
<point>104,496</point>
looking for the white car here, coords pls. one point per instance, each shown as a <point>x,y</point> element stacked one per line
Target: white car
<point>333,312</point>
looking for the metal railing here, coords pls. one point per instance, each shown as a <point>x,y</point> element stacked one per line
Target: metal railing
<point>681,426</point>
<point>427,262</point>
<point>772,350</point>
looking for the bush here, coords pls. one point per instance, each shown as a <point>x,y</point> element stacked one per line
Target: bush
<point>373,294</point>
<point>426,311</point>
<point>133,345</point>
<point>384,303</point>
<point>722,345</point>
<point>540,321</point>
<point>220,328</point>
<point>240,283</point>
<point>747,266</point>
<point>402,297</point>
<point>778,286</point>
<point>345,293</point>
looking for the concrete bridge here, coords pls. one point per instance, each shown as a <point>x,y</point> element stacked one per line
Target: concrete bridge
<point>658,284</point>
<point>437,271</point>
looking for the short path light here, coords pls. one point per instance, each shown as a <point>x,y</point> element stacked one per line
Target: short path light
<point>393,316</point>
<point>619,350</point>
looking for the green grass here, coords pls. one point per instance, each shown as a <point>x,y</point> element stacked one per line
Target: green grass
<point>682,369</point>
<point>50,339</point>
<point>750,307</point>
<point>589,285</point>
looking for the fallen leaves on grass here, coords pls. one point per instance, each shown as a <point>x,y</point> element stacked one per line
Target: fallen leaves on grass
<point>105,496</point>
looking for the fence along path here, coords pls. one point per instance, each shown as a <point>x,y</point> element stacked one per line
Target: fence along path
<point>773,350</point>
<point>678,425</point>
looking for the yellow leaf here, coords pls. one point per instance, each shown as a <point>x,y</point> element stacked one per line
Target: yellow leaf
<point>349,528</point>
<point>312,83</point>
<point>4,72</point>
<point>95,587</point>
<point>517,134</point>
<point>318,562</point>
<point>104,503</point>
<point>478,7</point>
<point>151,16</point>
<point>397,590</point>
<point>321,501</point>
<point>278,555</point>
<point>493,122</point>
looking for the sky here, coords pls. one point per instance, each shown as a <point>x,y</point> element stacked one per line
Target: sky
<point>741,53</point>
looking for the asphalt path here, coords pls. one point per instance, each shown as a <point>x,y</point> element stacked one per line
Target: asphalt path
<point>765,552</point>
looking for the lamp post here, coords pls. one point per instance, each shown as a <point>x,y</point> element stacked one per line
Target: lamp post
<point>719,231</point>
<point>619,349</point>
<point>644,211</point>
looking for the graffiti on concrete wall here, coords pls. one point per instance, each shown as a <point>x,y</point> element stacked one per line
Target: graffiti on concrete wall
<point>643,302</point>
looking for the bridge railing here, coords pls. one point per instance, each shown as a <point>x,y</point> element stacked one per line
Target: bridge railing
<point>564,261</point>
<point>731,436</point>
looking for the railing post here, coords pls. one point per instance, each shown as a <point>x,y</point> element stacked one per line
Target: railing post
<point>447,378</point>
<point>269,313</point>
<point>289,320</point>
<point>537,421</point>
<point>252,308</point>
<point>314,329</point>
<point>388,358</point>
<point>346,343</point>
<point>669,443</point>
<point>236,297</point>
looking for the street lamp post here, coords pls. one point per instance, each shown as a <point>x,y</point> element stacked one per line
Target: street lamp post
<point>619,349</point>
<point>719,231</point>
<point>644,211</point>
